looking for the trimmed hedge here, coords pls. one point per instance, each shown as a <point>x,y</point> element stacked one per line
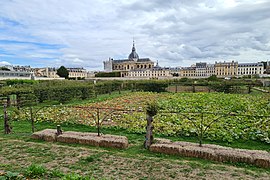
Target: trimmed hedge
<point>108,74</point>
<point>66,90</point>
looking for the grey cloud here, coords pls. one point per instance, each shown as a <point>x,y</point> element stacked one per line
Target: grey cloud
<point>171,31</point>
<point>219,34</point>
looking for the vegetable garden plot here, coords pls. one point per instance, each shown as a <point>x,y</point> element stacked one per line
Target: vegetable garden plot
<point>246,117</point>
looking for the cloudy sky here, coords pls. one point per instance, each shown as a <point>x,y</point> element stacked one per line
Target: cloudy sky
<point>77,33</point>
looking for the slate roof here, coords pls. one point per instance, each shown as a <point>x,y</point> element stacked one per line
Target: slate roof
<point>128,60</point>
<point>249,64</point>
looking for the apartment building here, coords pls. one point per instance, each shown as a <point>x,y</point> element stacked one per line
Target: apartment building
<point>150,73</point>
<point>250,69</point>
<point>204,70</point>
<point>189,72</point>
<point>15,75</point>
<point>226,69</point>
<point>52,72</point>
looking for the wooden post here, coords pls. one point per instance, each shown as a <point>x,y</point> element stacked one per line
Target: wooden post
<point>18,98</point>
<point>32,120</point>
<point>249,89</point>
<point>110,89</point>
<point>132,87</point>
<point>149,134</point>
<point>59,130</point>
<point>201,131</point>
<point>8,101</point>
<point>7,128</point>
<point>176,88</point>
<point>98,123</point>
<point>122,86</point>
<point>95,91</point>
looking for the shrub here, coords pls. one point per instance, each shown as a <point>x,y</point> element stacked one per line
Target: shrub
<point>10,175</point>
<point>20,81</point>
<point>108,74</point>
<point>35,171</point>
<point>151,86</point>
<point>74,176</point>
<point>152,108</point>
<point>213,78</point>
<point>56,173</point>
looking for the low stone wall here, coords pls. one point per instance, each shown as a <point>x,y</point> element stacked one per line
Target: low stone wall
<point>212,152</point>
<point>82,138</point>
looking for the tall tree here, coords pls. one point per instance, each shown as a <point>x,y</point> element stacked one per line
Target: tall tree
<point>4,69</point>
<point>63,72</point>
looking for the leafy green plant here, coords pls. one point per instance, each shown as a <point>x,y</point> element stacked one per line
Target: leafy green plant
<point>10,176</point>
<point>74,176</point>
<point>35,171</point>
<point>243,117</point>
<point>56,173</point>
<point>91,158</point>
<point>152,108</point>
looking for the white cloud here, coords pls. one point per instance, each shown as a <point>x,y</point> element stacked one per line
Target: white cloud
<point>173,32</point>
<point>3,63</point>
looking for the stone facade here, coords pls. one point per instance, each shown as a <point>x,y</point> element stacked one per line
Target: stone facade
<point>188,72</point>
<point>150,73</point>
<point>250,69</point>
<point>15,75</point>
<point>125,66</point>
<point>226,69</point>
<point>52,72</point>
<point>222,69</point>
<point>267,69</point>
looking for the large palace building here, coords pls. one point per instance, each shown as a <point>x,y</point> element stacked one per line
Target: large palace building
<point>133,63</point>
<point>135,67</point>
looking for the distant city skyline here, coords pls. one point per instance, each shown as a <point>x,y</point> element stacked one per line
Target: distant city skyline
<point>84,33</point>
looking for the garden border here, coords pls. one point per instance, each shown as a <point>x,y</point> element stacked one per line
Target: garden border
<point>212,152</point>
<point>92,139</point>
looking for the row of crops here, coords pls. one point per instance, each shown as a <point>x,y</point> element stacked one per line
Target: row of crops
<point>222,117</point>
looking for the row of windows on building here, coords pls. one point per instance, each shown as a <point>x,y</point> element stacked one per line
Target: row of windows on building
<point>127,67</point>
<point>147,73</point>
<point>240,69</point>
<point>14,74</point>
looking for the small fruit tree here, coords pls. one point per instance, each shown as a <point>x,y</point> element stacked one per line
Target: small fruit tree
<point>151,110</point>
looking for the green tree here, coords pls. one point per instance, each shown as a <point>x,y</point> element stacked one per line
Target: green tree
<point>63,72</point>
<point>4,69</point>
<point>212,78</point>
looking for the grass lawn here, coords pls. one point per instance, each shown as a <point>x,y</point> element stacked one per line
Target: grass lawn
<point>21,154</point>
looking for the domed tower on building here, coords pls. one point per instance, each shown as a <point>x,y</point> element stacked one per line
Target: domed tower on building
<point>133,56</point>
<point>132,63</point>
